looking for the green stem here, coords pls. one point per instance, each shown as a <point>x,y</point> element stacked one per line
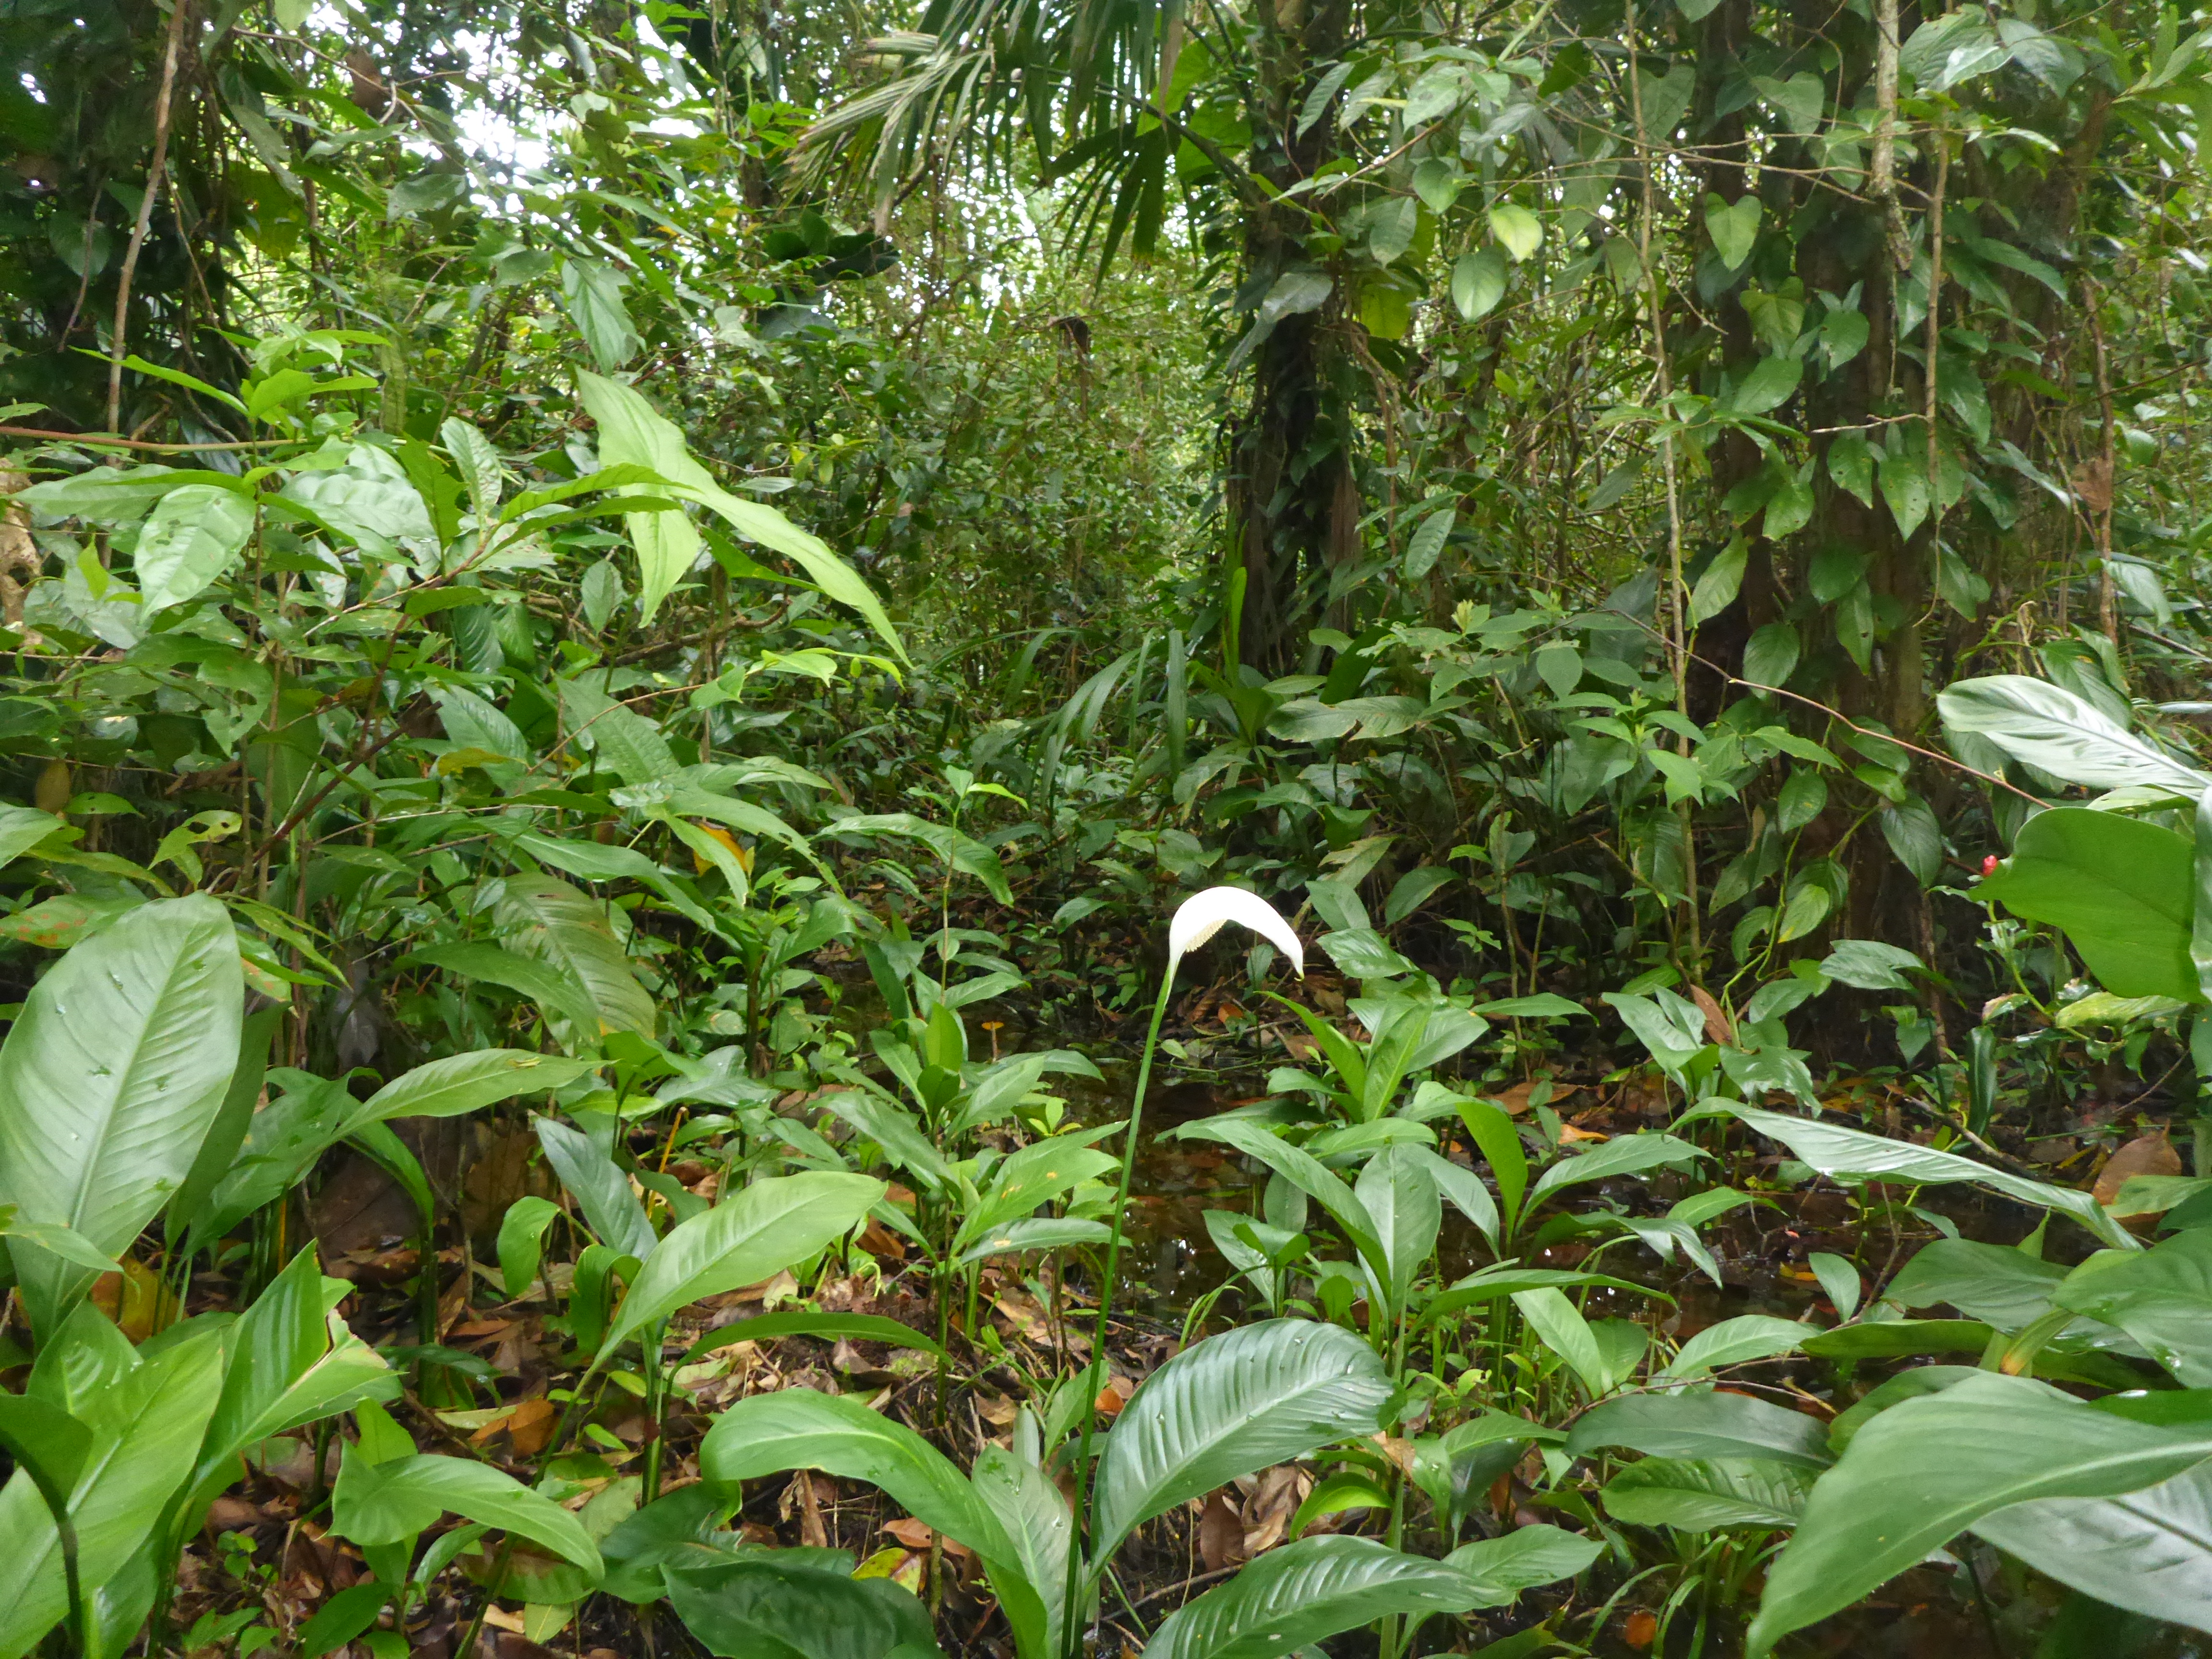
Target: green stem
<point>1105,1309</point>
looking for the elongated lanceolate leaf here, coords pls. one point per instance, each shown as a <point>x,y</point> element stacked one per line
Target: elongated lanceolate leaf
<point>463,1083</point>
<point>390,1502</point>
<point>600,1189</point>
<point>1702,1425</point>
<point>1698,1496</point>
<point>1927,1469</point>
<point>1834,1151</point>
<point>1234,1404</point>
<point>768,1226</point>
<point>2150,1552</point>
<point>2162,1299</point>
<point>110,1079</point>
<point>798,1428</point>
<point>2058,733</point>
<point>1304,1593</point>
<point>762,1607</point>
<point>632,431</point>
<point>569,933</point>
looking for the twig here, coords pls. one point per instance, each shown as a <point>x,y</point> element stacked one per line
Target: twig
<point>118,344</point>
<point>106,440</point>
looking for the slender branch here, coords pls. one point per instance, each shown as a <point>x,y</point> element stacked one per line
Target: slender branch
<point>118,343</point>
<point>108,440</point>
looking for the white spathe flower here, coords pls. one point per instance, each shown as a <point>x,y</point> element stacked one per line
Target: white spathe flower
<point>1199,917</point>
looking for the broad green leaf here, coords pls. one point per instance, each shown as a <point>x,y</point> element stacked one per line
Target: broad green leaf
<point>2056,732</point>
<point>1771,382</point>
<point>1928,1468</point>
<point>1835,1151</point>
<point>2162,1298</point>
<point>145,1417</point>
<point>47,1444</point>
<point>1423,547</point>
<point>672,1530</point>
<point>600,1189</point>
<point>1999,1285</point>
<point>1518,231</point>
<point>1521,1559</point>
<point>798,1428</point>
<point>591,293</point>
<point>463,1083</point>
<point>1702,1425</point>
<point>1734,1341</point>
<point>522,1242</point>
<point>1560,1325</point>
<point>1477,283</point>
<point>1304,1593</point>
<point>192,537</point>
<point>1034,1513</point>
<point>549,985</point>
<point>1234,1404</point>
<point>110,1079</point>
<point>290,1363</point>
<point>2149,1551</point>
<point>2122,890</point>
<point>391,1503</point>
<point>1622,1156</point>
<point>1040,1233</point>
<point>768,1328</point>
<point>1734,227</point>
<point>1397,1191</point>
<point>550,921</point>
<point>1707,1497</point>
<point>23,828</point>
<point>631,431</point>
<point>963,853</point>
<point>762,1607</point>
<point>1309,1175</point>
<point>771,1224</point>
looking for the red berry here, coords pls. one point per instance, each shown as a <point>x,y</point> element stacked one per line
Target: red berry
<point>1989,865</point>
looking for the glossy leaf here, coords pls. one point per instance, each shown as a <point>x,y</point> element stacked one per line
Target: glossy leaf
<point>1928,1468</point>
<point>1304,1593</point>
<point>2056,732</point>
<point>568,933</point>
<point>1734,1341</point>
<point>1523,1558</point>
<point>109,1079</point>
<point>798,1428</point>
<point>762,1607</point>
<point>2162,1298</point>
<point>1700,1496</point>
<point>1835,1151</point>
<point>828,1326</point>
<point>771,1224</point>
<point>2149,1551</point>
<point>1233,1404</point>
<point>2121,891</point>
<point>465,1083</point>
<point>600,1189</point>
<point>1699,1424</point>
<point>390,1502</point>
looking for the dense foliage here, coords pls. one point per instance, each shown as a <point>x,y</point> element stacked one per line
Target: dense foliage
<point>1039,827</point>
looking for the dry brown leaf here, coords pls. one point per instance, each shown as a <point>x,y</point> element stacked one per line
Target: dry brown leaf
<point>914,1534</point>
<point>1719,1026</point>
<point>500,1618</point>
<point>1116,1394</point>
<point>1220,1533</point>
<point>2146,1154</point>
<point>1400,1452</point>
<point>1274,1499</point>
<point>1641,1628</point>
<point>801,1499</point>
